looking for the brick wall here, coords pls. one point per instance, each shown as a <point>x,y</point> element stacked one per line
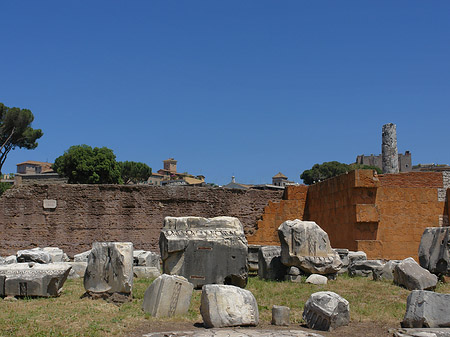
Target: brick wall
<point>88,213</point>
<point>275,213</point>
<point>345,208</point>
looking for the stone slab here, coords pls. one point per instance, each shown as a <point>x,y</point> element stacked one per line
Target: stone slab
<point>269,263</point>
<point>225,306</point>
<point>235,332</point>
<point>167,296</point>
<point>190,246</point>
<point>32,279</point>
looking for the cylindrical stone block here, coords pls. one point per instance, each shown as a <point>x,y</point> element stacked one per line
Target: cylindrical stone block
<point>389,149</point>
<point>280,315</point>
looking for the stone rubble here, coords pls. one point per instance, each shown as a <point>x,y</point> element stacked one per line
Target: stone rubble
<point>326,310</point>
<point>280,315</point>
<point>410,275</point>
<point>427,332</point>
<point>145,258</point>
<point>305,245</point>
<point>386,272</point>
<point>82,257</point>
<point>146,272</point>
<point>37,255</point>
<point>317,279</point>
<point>227,306</point>
<point>252,258</point>
<point>364,268</point>
<point>343,255</point>
<point>236,332</point>
<point>190,246</point>
<point>434,250</point>
<point>167,296</point>
<point>109,271</point>
<point>269,263</point>
<point>32,279</point>
<point>293,275</point>
<point>427,309</point>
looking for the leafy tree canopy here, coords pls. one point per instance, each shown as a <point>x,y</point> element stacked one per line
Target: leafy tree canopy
<point>83,164</point>
<point>16,131</point>
<point>320,172</point>
<point>134,172</point>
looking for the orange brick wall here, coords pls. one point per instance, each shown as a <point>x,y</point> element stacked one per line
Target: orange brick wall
<point>344,207</point>
<point>275,213</point>
<point>383,215</point>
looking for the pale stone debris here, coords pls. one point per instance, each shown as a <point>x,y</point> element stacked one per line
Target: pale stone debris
<point>146,272</point>
<point>236,332</point>
<point>110,269</point>
<point>326,310</point>
<point>145,258</point>
<point>37,255</point>
<point>293,275</point>
<point>252,258</point>
<point>364,268</point>
<point>82,257</point>
<point>167,296</point>
<point>343,255</point>
<point>56,254</point>
<point>269,263</point>
<point>280,315</point>
<point>32,279</point>
<point>434,250</point>
<point>10,259</point>
<point>305,245</point>
<point>386,272</point>
<point>190,246</point>
<point>317,279</point>
<point>227,306</point>
<point>422,332</point>
<point>77,269</point>
<point>356,256</point>
<point>410,275</point>
<point>427,309</point>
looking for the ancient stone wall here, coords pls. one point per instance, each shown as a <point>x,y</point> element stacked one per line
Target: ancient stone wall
<point>383,215</point>
<point>276,212</point>
<point>345,208</point>
<point>88,213</point>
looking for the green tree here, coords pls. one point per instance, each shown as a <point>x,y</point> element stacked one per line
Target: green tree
<point>366,167</point>
<point>83,164</point>
<point>134,172</point>
<point>324,171</point>
<point>16,131</point>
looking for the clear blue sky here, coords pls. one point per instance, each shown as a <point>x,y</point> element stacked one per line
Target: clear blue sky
<point>244,88</point>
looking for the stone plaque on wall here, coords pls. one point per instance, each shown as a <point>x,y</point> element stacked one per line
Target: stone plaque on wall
<point>49,204</point>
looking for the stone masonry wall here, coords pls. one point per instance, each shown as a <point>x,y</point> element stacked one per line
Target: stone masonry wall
<point>276,212</point>
<point>88,213</point>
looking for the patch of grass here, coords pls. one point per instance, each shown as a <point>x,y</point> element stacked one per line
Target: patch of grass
<point>69,315</point>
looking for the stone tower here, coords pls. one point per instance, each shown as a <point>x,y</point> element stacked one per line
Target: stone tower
<point>389,150</point>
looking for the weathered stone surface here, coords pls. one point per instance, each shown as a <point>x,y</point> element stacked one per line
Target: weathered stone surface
<point>317,279</point>
<point>343,255</point>
<point>32,279</point>
<point>293,278</point>
<point>307,246</point>
<point>77,269</point>
<point>293,271</point>
<point>386,272</point>
<point>37,255</point>
<point>10,259</point>
<point>205,251</point>
<point>410,275</point>
<point>146,272</point>
<point>269,265</point>
<point>389,151</point>
<point>236,332</point>
<point>422,332</point>
<point>364,268</point>
<point>82,257</point>
<point>110,268</point>
<point>252,258</point>
<point>168,295</point>
<point>280,315</point>
<point>2,260</point>
<point>427,309</point>
<point>224,305</point>
<point>434,250</point>
<point>326,310</point>
<point>56,254</point>
<point>356,256</point>
<point>146,259</point>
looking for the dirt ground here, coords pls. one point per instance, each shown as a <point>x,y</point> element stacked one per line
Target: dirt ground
<point>354,329</point>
